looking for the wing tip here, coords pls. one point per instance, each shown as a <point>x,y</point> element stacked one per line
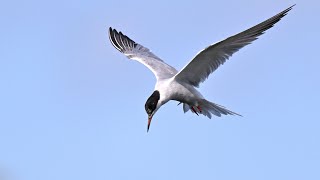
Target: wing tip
<point>120,41</point>
<point>285,12</point>
<point>112,38</point>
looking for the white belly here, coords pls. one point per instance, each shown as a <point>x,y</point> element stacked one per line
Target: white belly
<point>172,90</point>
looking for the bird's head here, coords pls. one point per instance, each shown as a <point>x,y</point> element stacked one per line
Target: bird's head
<point>152,105</point>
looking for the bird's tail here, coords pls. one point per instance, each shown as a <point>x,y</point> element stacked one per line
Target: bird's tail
<point>208,109</point>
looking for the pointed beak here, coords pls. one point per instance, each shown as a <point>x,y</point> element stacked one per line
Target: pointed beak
<point>149,121</point>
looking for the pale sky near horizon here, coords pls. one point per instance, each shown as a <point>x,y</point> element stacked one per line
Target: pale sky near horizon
<point>72,106</point>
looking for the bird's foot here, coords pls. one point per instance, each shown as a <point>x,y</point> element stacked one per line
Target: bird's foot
<point>199,108</point>
<point>196,109</point>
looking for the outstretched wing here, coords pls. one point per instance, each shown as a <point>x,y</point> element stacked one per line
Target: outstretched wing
<point>209,59</point>
<point>137,52</point>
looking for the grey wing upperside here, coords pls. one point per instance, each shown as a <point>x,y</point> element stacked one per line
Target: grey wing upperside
<point>209,59</point>
<point>141,54</point>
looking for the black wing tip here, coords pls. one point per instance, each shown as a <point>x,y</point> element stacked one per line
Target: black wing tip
<point>279,16</point>
<point>269,23</point>
<point>112,35</point>
<point>112,31</point>
<point>291,6</point>
<point>285,12</point>
<point>120,41</point>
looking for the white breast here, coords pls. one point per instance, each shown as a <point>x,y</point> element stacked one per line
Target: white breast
<point>170,89</point>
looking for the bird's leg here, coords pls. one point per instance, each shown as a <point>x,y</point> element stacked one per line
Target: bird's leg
<point>199,109</point>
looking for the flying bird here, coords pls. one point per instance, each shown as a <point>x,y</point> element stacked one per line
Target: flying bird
<point>181,85</point>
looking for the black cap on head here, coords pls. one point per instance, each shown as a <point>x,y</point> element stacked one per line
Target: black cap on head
<point>152,102</point>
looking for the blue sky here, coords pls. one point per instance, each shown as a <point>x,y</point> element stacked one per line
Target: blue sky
<point>72,107</point>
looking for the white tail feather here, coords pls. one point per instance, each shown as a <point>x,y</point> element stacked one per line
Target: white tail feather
<point>207,108</point>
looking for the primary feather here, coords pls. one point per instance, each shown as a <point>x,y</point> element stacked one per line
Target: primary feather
<point>142,54</point>
<point>209,59</point>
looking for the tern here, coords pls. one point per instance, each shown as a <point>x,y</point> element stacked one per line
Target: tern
<point>181,85</point>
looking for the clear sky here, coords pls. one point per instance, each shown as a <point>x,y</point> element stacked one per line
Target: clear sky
<point>72,106</point>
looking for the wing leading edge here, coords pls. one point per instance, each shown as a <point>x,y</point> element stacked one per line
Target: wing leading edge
<point>141,54</point>
<point>209,59</point>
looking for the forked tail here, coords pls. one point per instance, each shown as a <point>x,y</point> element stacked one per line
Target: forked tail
<point>208,109</point>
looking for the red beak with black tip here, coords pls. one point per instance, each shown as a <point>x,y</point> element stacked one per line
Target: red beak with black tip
<point>149,122</point>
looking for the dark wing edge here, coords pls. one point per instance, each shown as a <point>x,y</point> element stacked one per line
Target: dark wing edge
<point>252,34</point>
<point>225,49</point>
<point>141,54</point>
<point>120,41</point>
